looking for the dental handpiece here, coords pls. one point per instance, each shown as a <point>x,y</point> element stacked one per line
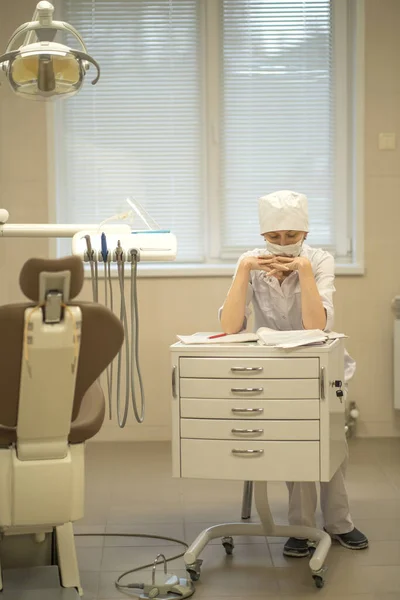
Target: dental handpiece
<point>124,318</point>
<point>107,282</point>
<point>104,250</point>
<point>93,267</point>
<point>104,255</point>
<point>139,413</point>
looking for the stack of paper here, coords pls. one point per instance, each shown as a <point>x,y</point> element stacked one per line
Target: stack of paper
<point>208,338</point>
<point>294,338</point>
<point>265,337</point>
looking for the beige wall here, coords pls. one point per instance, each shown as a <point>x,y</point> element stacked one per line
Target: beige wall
<point>23,161</point>
<point>170,306</point>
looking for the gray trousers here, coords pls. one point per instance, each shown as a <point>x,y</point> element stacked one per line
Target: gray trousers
<point>334,502</point>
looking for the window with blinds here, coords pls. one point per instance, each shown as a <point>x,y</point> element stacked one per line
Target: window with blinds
<point>198,158</point>
<point>138,133</point>
<point>278,114</point>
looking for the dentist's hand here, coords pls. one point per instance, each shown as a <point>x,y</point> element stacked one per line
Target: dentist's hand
<point>261,263</point>
<point>288,263</point>
<point>284,264</point>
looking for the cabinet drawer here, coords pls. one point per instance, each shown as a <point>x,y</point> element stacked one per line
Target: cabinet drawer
<point>267,461</point>
<point>269,368</point>
<point>216,429</point>
<point>243,388</point>
<point>254,409</point>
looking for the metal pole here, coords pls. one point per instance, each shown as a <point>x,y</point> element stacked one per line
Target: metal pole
<point>247,499</point>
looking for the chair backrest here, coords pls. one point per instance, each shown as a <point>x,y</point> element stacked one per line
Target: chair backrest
<point>94,331</point>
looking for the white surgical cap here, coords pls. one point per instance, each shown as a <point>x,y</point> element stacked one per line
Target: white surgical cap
<point>283,211</point>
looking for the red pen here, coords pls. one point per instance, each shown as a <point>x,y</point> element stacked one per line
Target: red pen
<point>212,337</point>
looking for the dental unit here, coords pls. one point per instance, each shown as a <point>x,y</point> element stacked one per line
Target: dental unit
<point>114,245</point>
<point>38,557</point>
<point>117,245</point>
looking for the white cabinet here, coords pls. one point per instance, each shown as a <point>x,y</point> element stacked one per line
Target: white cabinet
<point>247,412</point>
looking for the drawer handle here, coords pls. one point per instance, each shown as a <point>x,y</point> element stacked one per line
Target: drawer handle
<point>174,381</point>
<point>247,369</point>
<point>322,383</point>
<point>248,452</point>
<point>247,390</point>
<point>251,431</point>
<point>247,410</point>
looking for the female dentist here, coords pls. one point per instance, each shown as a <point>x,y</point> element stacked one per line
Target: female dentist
<point>291,287</point>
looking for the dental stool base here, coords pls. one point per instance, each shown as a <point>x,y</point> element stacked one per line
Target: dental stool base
<point>249,413</point>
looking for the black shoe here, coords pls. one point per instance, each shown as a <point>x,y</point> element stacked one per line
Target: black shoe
<point>354,540</point>
<point>296,548</point>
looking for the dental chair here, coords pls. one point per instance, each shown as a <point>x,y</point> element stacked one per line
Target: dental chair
<point>52,352</point>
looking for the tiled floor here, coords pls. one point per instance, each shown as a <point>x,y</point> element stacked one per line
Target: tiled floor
<point>130,490</point>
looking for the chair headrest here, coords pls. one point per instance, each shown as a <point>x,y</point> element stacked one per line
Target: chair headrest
<point>30,273</point>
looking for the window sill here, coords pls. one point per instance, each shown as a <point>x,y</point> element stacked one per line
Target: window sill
<point>176,270</point>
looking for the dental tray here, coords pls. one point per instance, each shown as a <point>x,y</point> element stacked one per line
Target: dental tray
<point>161,245</point>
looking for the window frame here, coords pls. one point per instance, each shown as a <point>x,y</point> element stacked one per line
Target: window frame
<point>349,171</point>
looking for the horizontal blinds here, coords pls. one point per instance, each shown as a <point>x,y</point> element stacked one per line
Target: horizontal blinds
<point>138,132</point>
<point>277,114</point>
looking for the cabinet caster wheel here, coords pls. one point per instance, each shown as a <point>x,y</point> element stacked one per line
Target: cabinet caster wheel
<point>319,581</point>
<point>194,575</point>
<point>194,571</point>
<point>229,549</point>
<point>228,544</point>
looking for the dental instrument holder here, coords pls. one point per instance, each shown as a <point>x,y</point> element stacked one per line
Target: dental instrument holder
<point>95,247</point>
<point>154,246</point>
<point>117,256</point>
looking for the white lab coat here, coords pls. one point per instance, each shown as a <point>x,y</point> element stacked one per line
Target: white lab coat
<point>279,307</point>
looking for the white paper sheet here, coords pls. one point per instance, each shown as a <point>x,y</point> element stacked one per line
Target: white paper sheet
<point>201,338</point>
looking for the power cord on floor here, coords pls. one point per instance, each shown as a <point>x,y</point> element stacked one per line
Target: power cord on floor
<point>125,587</point>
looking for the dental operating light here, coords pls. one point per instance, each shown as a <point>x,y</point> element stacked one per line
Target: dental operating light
<point>40,68</point>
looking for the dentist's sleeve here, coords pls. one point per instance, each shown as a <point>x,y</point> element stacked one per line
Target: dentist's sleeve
<point>324,274</point>
<point>249,294</point>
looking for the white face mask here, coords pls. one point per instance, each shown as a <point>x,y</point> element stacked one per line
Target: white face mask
<point>289,250</point>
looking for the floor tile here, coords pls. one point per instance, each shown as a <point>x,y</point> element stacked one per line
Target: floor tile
<point>171,530</point>
<point>121,559</point>
<point>144,512</point>
<point>247,580</point>
<point>212,512</point>
<point>367,508</point>
<point>92,541</point>
<point>378,554</point>
<point>89,559</point>
<point>380,530</point>
<point>90,583</point>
